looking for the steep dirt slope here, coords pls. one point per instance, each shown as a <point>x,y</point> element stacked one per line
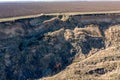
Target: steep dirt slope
<point>103,65</point>
<point>100,64</point>
<point>65,47</point>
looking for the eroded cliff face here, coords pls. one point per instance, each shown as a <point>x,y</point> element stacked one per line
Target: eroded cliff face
<point>39,47</point>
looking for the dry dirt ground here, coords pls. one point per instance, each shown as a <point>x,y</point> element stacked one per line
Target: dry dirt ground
<point>23,9</point>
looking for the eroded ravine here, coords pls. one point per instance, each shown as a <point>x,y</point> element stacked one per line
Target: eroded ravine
<point>40,47</point>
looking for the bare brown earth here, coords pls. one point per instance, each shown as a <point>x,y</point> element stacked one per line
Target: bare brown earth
<point>23,9</point>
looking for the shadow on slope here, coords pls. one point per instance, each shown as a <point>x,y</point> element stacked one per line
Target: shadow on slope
<point>43,49</point>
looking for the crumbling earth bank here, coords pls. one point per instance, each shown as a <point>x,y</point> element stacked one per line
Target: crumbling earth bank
<point>39,47</point>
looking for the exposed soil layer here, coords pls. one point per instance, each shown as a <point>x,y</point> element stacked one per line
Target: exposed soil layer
<point>40,47</point>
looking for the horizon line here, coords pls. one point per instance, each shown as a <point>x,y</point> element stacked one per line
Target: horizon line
<point>66,1</point>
